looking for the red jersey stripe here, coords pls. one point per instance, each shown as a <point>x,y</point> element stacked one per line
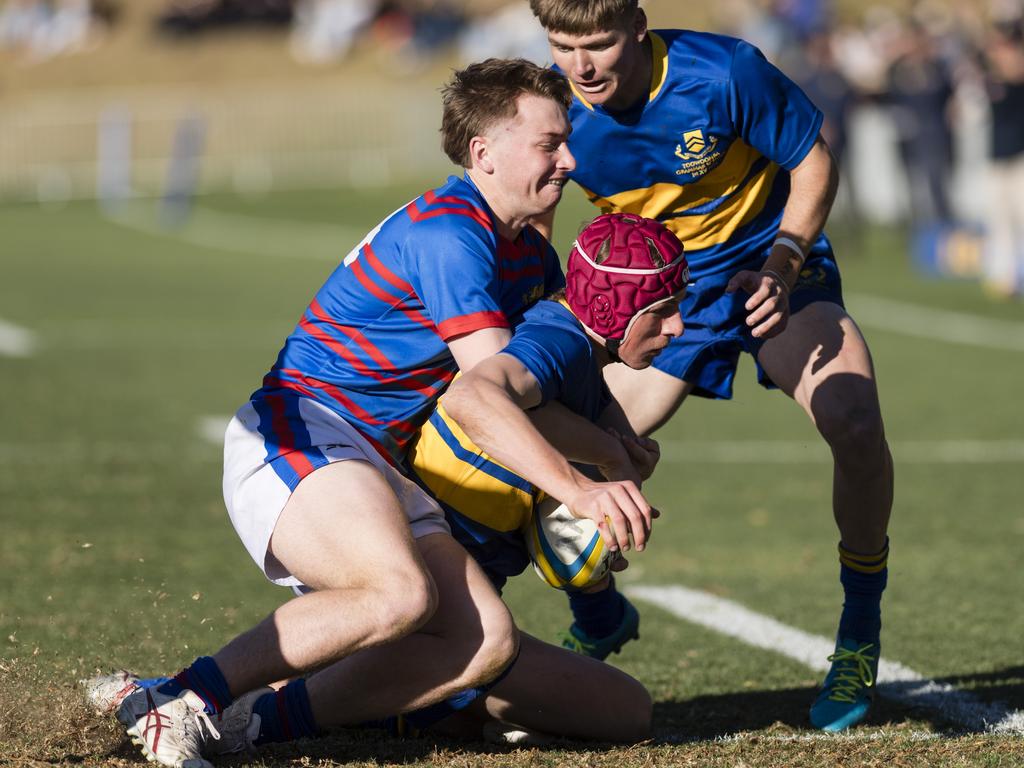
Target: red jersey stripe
<point>375,290</point>
<point>386,274</point>
<point>472,213</point>
<point>336,394</point>
<point>510,275</point>
<point>457,326</point>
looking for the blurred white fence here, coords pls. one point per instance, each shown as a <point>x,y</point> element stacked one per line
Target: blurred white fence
<point>271,136</point>
<point>303,135</point>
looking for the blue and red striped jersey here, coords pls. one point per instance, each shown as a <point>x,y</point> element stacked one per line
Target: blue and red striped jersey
<point>372,345</point>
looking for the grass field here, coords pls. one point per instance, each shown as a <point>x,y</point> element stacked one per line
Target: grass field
<point>116,549</point>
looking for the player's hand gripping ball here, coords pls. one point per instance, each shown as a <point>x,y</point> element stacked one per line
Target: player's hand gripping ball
<point>567,552</point>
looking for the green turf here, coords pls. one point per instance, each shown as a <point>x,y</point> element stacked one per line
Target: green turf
<point>116,548</point>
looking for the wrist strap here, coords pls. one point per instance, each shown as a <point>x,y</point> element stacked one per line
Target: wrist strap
<point>781,280</point>
<point>792,244</point>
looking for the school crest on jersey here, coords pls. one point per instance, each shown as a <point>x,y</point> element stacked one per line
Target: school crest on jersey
<point>698,151</point>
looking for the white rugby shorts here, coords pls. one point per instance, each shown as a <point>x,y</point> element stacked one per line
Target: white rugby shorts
<point>255,493</point>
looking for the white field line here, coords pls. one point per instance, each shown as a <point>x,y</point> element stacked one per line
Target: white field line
<point>895,681</point>
<point>937,324</point>
<point>16,341</point>
<point>211,428</point>
<point>856,736</point>
<point>247,235</point>
<point>799,452</point>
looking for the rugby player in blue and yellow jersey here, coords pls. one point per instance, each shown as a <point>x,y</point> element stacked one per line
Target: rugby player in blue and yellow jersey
<point>624,279</point>
<point>312,480</point>
<point>700,132</point>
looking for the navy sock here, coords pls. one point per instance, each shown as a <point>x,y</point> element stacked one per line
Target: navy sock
<point>204,678</point>
<point>597,613</point>
<point>863,578</point>
<point>285,715</point>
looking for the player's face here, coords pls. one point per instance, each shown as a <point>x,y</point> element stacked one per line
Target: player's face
<point>651,332</point>
<point>530,157</point>
<point>606,67</point>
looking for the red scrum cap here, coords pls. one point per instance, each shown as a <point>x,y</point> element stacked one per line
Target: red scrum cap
<point>620,265</point>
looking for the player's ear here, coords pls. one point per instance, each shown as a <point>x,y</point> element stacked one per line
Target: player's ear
<point>640,24</point>
<point>479,154</point>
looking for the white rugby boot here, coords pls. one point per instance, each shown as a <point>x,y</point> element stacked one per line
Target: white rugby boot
<point>238,726</point>
<point>171,730</point>
<point>104,693</point>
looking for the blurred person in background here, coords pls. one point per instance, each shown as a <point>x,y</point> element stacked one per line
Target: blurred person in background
<point>43,29</point>
<point>919,94</point>
<point>817,72</point>
<point>1003,53</point>
<point>183,18</point>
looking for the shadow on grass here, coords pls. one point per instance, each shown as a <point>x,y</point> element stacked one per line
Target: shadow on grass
<point>716,716</point>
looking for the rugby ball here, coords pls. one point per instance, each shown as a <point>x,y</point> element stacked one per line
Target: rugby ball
<point>567,552</point>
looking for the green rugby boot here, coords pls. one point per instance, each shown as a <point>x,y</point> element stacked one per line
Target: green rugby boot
<point>601,648</point>
<point>849,686</point>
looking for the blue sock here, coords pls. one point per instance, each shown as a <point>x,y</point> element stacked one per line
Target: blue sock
<point>863,578</point>
<point>152,682</point>
<point>597,613</point>
<point>204,678</point>
<point>285,715</point>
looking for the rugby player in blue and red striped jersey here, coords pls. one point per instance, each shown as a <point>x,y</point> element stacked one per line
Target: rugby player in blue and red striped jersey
<point>311,480</point>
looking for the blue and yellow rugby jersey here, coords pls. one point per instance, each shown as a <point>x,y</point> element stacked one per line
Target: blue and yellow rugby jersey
<point>487,504</point>
<point>706,153</point>
<point>372,347</point>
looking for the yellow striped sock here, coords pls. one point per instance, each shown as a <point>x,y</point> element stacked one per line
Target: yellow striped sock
<point>865,563</point>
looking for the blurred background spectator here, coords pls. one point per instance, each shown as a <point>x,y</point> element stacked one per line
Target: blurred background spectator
<point>191,17</point>
<point>1003,61</point>
<point>919,92</point>
<point>41,29</point>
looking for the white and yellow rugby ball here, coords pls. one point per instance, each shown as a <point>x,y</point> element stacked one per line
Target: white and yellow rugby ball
<point>567,552</point>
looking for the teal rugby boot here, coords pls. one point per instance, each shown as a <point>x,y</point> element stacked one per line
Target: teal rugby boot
<point>849,687</point>
<point>601,648</point>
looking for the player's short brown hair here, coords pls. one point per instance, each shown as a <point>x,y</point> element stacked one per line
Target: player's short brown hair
<point>582,17</point>
<point>484,93</point>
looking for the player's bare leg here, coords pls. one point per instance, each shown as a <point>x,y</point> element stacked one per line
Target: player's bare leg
<point>343,533</point>
<point>469,640</point>
<point>649,397</point>
<point>822,361</point>
<point>552,691</point>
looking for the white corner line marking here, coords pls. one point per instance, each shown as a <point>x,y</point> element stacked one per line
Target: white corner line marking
<point>16,341</point>
<point>937,324</point>
<point>211,428</point>
<point>895,681</point>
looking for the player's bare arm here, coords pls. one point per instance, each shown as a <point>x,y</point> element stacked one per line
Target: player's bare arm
<point>469,349</point>
<point>576,438</point>
<point>489,403</point>
<point>643,452</point>
<point>582,441</point>
<point>813,185</point>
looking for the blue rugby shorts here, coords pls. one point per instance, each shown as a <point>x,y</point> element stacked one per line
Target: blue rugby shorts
<point>716,332</point>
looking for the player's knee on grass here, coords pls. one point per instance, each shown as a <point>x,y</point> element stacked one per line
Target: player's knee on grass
<point>629,714</point>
